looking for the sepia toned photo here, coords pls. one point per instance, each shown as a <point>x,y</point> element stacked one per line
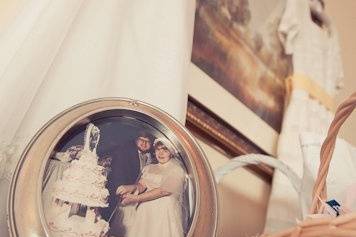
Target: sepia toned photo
<point>117,176</point>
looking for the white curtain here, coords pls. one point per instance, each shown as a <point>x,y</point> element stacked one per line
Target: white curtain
<point>55,54</point>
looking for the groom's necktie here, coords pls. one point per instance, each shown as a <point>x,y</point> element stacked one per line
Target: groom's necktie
<point>143,160</point>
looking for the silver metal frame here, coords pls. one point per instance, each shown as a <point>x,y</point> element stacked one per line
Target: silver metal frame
<point>25,214</point>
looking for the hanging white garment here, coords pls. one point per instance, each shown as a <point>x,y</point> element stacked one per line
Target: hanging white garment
<point>315,54</point>
<point>60,53</point>
<point>341,179</point>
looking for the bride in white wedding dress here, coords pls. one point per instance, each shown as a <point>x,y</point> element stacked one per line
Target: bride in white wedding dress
<point>55,54</point>
<point>160,205</point>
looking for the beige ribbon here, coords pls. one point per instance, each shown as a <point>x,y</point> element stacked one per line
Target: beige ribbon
<point>298,81</point>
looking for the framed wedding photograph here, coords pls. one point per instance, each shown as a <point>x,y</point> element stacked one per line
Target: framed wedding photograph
<point>113,167</point>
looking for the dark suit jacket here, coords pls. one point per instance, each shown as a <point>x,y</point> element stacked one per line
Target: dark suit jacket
<point>125,169</point>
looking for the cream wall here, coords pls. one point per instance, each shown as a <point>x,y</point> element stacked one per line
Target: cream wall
<point>242,198</point>
<point>342,13</point>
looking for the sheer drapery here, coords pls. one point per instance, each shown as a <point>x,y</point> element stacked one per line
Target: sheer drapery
<point>55,54</point>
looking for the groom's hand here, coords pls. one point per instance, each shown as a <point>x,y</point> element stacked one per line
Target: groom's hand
<point>129,199</point>
<point>124,189</point>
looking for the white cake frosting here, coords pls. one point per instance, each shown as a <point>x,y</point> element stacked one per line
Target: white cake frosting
<point>76,226</point>
<point>83,183</point>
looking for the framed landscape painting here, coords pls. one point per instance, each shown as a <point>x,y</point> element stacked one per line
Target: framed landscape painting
<point>236,44</point>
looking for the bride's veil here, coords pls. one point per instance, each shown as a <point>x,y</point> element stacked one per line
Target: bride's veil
<point>187,197</point>
<point>187,201</point>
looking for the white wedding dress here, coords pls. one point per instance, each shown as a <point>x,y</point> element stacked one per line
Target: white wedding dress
<point>55,54</point>
<point>162,217</point>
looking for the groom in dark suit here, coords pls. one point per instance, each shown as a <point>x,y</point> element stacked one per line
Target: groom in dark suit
<point>128,161</point>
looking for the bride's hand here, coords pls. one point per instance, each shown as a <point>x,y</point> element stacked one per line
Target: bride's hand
<point>129,199</point>
<point>124,189</point>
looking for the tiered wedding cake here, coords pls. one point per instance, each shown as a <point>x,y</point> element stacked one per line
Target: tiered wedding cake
<point>80,193</point>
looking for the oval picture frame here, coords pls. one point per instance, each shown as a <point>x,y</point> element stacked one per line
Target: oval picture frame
<point>25,210</point>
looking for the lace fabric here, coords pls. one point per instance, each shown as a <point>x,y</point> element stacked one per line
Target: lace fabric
<point>9,157</point>
<point>170,177</point>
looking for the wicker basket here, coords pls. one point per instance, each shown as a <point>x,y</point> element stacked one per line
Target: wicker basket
<point>341,226</point>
